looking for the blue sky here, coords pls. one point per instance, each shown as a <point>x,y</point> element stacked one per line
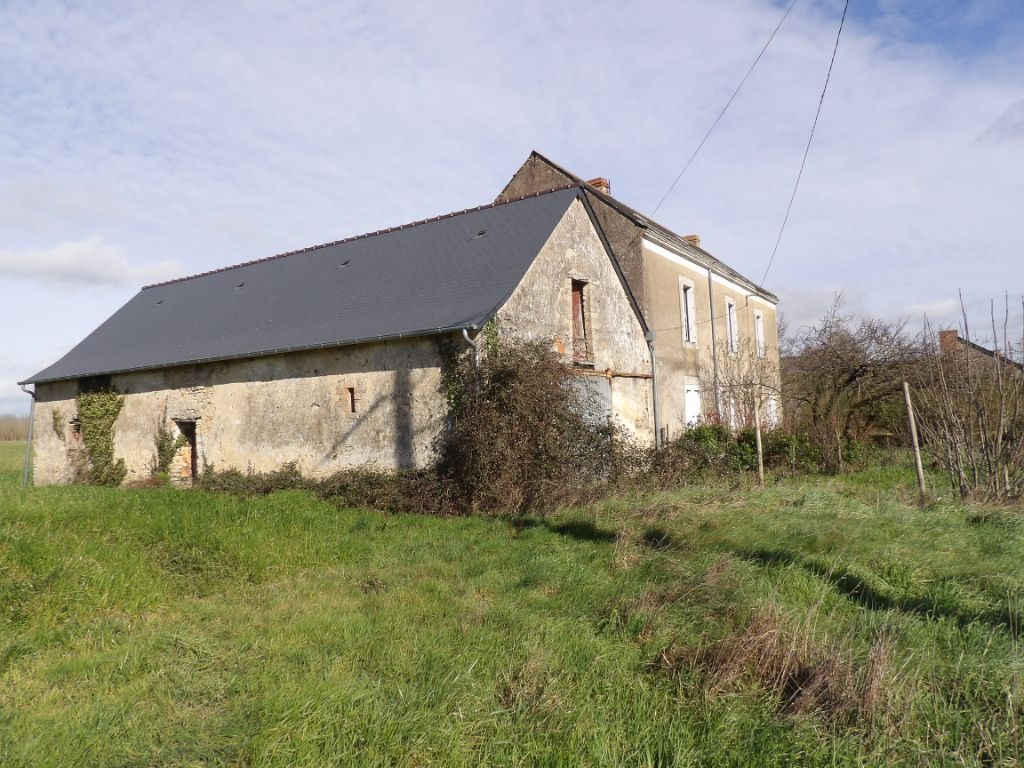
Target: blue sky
<point>139,142</point>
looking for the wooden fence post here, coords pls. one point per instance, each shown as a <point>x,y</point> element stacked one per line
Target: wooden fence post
<point>757,436</point>
<point>913,438</point>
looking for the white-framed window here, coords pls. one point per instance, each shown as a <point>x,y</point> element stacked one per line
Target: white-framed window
<point>759,333</point>
<point>692,407</point>
<point>687,310</point>
<point>731,326</point>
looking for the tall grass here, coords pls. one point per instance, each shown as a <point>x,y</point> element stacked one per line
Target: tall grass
<point>824,622</point>
<point>13,428</point>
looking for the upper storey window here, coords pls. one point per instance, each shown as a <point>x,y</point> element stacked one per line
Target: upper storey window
<point>687,311</point>
<point>581,352</point>
<point>759,333</point>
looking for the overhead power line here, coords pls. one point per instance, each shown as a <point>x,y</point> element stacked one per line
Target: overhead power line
<point>807,149</point>
<point>726,107</point>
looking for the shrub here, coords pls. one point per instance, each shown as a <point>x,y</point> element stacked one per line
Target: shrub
<point>522,436</point>
<point>413,491</point>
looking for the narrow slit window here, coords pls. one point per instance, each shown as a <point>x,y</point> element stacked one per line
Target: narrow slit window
<point>351,392</point>
<point>687,314</point>
<point>580,343</point>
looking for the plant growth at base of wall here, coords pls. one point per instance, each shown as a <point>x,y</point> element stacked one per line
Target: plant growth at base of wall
<point>167,447</point>
<point>97,412</point>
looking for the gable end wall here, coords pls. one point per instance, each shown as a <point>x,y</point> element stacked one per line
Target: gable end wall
<point>541,308</point>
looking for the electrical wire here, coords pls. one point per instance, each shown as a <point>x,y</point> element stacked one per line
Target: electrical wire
<point>726,107</point>
<point>807,149</point>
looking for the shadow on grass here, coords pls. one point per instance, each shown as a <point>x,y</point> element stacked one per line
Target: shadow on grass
<point>582,530</point>
<point>658,538</point>
<point>853,587</point>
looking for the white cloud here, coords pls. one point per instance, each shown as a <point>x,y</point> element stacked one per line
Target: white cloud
<point>85,262</point>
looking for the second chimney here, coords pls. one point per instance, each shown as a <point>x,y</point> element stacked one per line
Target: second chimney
<point>948,340</point>
<point>601,184</point>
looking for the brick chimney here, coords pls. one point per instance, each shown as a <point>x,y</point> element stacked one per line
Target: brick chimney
<point>695,239</point>
<point>601,184</point>
<point>948,340</point>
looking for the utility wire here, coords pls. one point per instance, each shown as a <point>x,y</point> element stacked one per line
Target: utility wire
<point>727,104</point>
<point>807,149</point>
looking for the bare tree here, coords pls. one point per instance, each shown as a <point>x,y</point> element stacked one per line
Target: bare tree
<point>748,384</point>
<point>842,380</point>
<point>971,408</point>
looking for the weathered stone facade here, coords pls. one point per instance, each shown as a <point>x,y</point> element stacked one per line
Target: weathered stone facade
<point>376,404</point>
<point>540,308</point>
<point>657,264</point>
<point>261,413</point>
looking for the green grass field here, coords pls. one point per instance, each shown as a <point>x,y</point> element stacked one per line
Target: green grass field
<point>163,627</point>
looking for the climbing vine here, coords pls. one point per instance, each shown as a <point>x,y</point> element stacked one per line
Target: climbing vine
<point>451,382</point>
<point>167,445</point>
<point>97,412</point>
<point>57,419</point>
<point>455,355</point>
<point>491,335</point>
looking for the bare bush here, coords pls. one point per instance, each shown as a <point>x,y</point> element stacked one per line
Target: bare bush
<point>970,408</point>
<point>746,386</point>
<point>522,436</point>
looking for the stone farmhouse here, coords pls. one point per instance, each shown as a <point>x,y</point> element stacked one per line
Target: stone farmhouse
<point>331,356</point>
<point>702,313</point>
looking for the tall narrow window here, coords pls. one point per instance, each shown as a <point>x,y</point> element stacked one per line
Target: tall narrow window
<point>351,392</point>
<point>580,343</point>
<point>687,315</point>
<point>759,333</point>
<point>730,324</point>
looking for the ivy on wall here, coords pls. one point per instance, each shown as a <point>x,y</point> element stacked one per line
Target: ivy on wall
<point>167,446</point>
<point>57,422</point>
<point>454,354</point>
<point>97,412</point>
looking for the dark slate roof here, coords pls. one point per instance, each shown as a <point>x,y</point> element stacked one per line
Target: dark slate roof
<point>424,278</point>
<point>660,232</point>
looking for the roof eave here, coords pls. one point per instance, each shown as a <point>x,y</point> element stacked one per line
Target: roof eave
<point>427,333</point>
<point>702,257</point>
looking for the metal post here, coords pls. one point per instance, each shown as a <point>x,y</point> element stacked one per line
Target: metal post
<point>28,446</point>
<point>649,336</point>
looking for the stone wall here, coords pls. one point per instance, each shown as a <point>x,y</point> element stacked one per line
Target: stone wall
<point>261,413</point>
